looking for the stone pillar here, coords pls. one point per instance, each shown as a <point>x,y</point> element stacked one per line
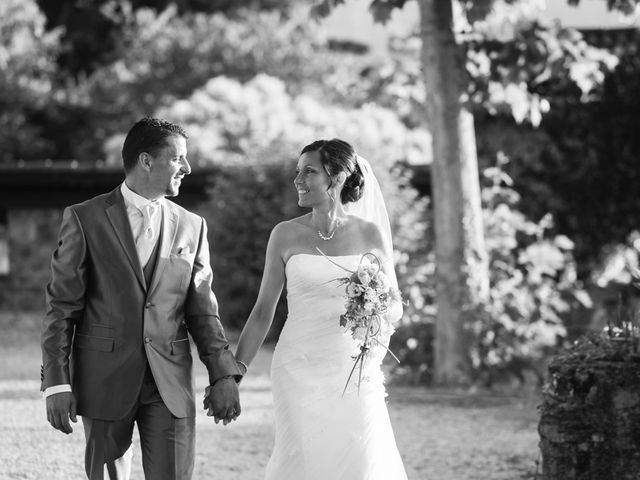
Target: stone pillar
<point>590,416</point>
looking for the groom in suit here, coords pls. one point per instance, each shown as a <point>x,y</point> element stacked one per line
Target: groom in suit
<point>130,278</point>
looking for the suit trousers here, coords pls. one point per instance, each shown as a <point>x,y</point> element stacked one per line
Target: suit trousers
<point>167,442</point>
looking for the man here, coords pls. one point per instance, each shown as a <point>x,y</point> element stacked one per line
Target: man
<point>129,278</point>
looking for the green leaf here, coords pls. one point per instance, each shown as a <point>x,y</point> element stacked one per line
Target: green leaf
<point>323,9</point>
<point>627,7</point>
<point>381,9</point>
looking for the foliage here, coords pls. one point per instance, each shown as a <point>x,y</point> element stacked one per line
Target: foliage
<point>251,133</point>
<point>580,165</point>
<point>170,55</point>
<point>95,32</point>
<point>473,10</point>
<point>171,52</point>
<point>27,62</point>
<point>533,290</point>
<point>231,120</point>
<point>626,7</point>
<point>620,264</point>
<point>512,53</point>
<point>246,203</point>
<point>533,286</point>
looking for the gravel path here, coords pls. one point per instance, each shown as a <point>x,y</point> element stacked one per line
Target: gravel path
<point>441,435</point>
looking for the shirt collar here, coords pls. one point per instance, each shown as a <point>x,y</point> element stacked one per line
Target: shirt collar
<point>137,201</point>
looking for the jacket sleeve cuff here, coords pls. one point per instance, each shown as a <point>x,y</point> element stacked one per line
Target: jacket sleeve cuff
<point>226,366</point>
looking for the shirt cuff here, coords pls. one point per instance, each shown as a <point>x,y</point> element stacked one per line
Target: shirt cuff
<point>56,389</point>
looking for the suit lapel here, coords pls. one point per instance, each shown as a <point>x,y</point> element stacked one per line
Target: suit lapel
<point>169,229</point>
<point>117,214</point>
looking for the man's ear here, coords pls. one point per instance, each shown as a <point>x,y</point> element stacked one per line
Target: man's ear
<point>145,160</point>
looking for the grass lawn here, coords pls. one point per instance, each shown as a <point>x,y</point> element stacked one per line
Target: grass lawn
<point>441,435</point>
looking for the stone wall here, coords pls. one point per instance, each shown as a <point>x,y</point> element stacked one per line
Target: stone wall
<point>590,416</point>
<point>32,240</point>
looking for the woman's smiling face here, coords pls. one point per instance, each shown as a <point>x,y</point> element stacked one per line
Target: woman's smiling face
<point>312,181</point>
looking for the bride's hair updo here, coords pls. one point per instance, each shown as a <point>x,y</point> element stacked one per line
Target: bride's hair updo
<point>338,156</point>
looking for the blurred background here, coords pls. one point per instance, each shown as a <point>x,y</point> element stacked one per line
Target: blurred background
<point>555,92</point>
<point>538,112</point>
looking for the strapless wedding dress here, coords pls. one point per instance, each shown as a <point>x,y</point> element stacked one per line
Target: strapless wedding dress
<point>321,434</point>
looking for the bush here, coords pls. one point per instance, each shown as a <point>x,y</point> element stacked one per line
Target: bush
<point>533,291</point>
<point>27,61</point>
<point>246,203</point>
<point>170,56</point>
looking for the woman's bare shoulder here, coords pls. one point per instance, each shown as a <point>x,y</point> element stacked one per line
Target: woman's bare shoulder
<point>370,234</point>
<point>285,236</point>
<point>366,228</point>
<point>291,226</point>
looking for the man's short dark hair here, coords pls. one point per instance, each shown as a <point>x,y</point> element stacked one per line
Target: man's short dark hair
<point>148,135</point>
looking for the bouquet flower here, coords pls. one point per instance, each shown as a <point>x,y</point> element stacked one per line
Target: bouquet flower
<point>369,295</point>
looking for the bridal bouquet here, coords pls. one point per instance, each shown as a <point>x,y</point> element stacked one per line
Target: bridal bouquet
<point>369,295</point>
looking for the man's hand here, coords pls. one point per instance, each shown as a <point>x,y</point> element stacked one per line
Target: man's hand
<point>60,408</point>
<point>222,400</point>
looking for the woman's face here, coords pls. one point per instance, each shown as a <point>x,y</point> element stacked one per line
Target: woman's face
<point>312,181</point>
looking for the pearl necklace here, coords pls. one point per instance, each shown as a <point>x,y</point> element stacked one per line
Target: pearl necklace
<point>326,238</point>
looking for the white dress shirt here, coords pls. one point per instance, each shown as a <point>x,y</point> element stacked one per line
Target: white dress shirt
<point>145,219</point>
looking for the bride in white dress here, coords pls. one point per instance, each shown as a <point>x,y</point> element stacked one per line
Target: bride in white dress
<point>322,431</point>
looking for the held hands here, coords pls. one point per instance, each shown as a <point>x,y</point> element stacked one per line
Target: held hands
<point>60,408</point>
<point>222,401</point>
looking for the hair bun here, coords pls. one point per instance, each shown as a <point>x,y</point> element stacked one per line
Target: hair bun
<point>353,185</point>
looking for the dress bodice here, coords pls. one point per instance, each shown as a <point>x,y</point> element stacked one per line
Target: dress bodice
<point>313,280</point>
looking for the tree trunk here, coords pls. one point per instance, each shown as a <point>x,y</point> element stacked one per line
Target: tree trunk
<point>461,258</point>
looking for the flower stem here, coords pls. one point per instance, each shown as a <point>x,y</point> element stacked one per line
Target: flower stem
<point>336,264</point>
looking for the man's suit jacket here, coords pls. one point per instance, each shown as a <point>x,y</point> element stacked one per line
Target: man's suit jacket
<point>103,324</point>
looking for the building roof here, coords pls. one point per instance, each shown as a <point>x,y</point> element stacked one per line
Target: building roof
<point>50,184</point>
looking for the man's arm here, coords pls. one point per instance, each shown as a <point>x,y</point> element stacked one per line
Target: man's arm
<point>203,323</point>
<point>65,303</point>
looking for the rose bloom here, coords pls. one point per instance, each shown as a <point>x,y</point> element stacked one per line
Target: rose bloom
<point>353,290</point>
<point>383,283</point>
<point>364,276</point>
<point>370,295</point>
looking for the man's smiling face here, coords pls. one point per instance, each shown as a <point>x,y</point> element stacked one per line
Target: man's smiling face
<point>169,166</point>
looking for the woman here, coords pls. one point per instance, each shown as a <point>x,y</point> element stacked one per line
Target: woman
<point>324,431</point>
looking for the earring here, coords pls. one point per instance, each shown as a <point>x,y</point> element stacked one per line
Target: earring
<point>332,198</point>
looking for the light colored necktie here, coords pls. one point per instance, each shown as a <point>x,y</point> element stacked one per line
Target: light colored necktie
<point>147,238</point>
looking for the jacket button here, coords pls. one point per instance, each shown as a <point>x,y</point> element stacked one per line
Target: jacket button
<point>148,305</point>
<point>147,340</point>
